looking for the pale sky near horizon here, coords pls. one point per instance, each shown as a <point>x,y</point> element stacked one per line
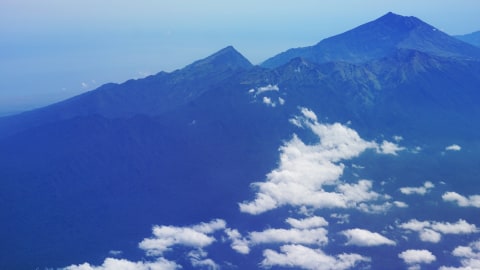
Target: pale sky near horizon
<point>53,49</point>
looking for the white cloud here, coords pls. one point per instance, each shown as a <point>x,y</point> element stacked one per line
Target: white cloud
<point>306,258</point>
<point>165,237</point>
<point>317,236</point>
<point>267,88</point>
<point>414,225</point>
<point>416,150</point>
<point>307,223</point>
<point>460,200</point>
<point>400,204</point>
<point>469,255</point>
<point>453,147</point>
<point>342,218</point>
<point>121,264</point>
<point>427,186</point>
<point>429,235</point>
<point>308,231</point>
<point>268,101</point>
<point>239,244</point>
<point>390,148</point>
<point>198,258</point>
<point>115,252</point>
<point>431,231</point>
<point>459,227</point>
<point>374,208</point>
<point>305,170</point>
<point>415,256</point>
<point>309,114</point>
<point>365,238</point>
<point>281,101</point>
<point>196,236</point>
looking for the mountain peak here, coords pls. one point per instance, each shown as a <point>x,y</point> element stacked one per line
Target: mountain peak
<point>399,22</point>
<point>380,38</point>
<point>227,57</point>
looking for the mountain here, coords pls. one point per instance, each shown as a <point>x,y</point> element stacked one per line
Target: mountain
<point>222,164</point>
<point>380,38</point>
<point>151,96</point>
<point>472,38</point>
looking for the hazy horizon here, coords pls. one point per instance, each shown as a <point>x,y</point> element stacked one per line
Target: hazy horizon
<point>53,49</point>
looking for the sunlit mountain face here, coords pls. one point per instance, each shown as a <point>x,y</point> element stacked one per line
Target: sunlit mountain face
<point>360,152</point>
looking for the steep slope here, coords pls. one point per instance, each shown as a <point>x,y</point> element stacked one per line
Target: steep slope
<point>378,39</point>
<point>152,95</point>
<point>86,178</point>
<point>76,188</point>
<point>394,93</point>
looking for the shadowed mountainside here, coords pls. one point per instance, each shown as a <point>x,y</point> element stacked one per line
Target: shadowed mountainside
<point>94,172</point>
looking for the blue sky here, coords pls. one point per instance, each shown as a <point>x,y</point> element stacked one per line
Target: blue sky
<point>54,49</point>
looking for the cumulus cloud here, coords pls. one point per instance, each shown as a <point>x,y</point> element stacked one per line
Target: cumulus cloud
<point>317,236</point>
<point>427,186</point>
<point>365,238</point>
<point>196,236</point>
<point>390,148</point>
<point>305,170</point>
<point>239,243</point>
<point>267,88</point>
<point>460,200</point>
<point>453,147</point>
<point>459,227</point>
<point>307,223</point>
<point>341,218</point>
<point>309,114</point>
<point>400,204</point>
<point>398,138</point>
<point>307,231</point>
<point>268,101</point>
<point>429,235</point>
<point>165,237</point>
<point>302,257</point>
<point>198,258</point>
<point>116,264</point>
<point>416,256</point>
<point>432,231</point>
<point>469,257</point>
<point>281,101</point>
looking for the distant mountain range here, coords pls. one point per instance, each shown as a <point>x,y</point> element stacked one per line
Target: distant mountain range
<point>472,38</point>
<point>91,174</point>
<point>380,38</point>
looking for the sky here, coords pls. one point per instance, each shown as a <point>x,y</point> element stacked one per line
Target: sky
<point>54,49</point>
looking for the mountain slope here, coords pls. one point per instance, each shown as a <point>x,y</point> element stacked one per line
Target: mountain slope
<point>85,179</point>
<point>378,39</point>
<point>69,181</point>
<point>472,38</point>
<point>152,95</point>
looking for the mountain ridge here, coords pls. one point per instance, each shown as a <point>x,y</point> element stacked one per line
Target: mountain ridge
<point>472,38</point>
<point>152,95</point>
<point>380,38</point>
<point>93,173</point>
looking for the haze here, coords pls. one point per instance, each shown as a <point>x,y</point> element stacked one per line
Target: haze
<point>54,49</point>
